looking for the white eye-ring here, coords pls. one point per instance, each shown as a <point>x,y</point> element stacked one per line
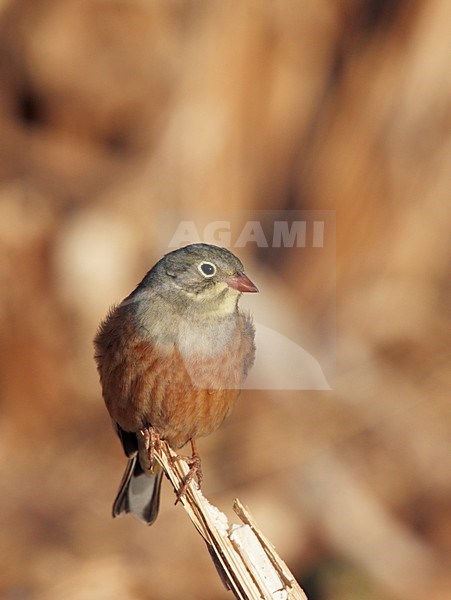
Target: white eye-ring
<point>207,269</point>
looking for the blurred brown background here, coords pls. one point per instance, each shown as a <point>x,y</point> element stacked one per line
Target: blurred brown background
<point>111,110</point>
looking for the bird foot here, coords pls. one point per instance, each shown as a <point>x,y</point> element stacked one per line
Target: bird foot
<point>195,470</point>
<point>152,443</point>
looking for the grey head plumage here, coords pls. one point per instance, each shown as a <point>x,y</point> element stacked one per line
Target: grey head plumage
<point>200,283</point>
<point>194,268</point>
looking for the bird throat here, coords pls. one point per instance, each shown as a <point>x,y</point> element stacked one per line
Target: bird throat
<point>206,321</point>
<point>219,301</point>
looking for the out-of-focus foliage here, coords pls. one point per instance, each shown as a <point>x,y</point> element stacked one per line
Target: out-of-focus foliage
<point>113,110</point>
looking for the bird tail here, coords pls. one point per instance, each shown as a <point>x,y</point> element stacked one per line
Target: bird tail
<point>139,492</point>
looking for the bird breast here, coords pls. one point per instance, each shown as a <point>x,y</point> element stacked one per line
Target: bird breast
<point>179,375</point>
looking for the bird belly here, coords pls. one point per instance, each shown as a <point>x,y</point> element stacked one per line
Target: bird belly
<point>191,397</point>
<point>192,415</point>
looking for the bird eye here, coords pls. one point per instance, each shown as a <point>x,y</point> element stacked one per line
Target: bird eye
<point>207,269</point>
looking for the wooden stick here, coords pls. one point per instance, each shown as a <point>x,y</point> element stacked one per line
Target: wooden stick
<point>246,561</point>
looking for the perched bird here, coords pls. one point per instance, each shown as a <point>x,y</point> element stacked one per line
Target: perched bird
<point>171,358</point>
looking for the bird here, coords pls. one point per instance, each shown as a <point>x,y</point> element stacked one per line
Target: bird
<point>171,358</point>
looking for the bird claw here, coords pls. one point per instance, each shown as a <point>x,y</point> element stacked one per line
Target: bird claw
<point>152,443</point>
<point>195,470</point>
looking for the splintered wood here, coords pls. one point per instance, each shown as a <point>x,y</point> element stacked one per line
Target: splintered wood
<point>246,561</point>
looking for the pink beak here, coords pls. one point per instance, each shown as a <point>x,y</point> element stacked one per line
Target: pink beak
<point>239,281</point>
